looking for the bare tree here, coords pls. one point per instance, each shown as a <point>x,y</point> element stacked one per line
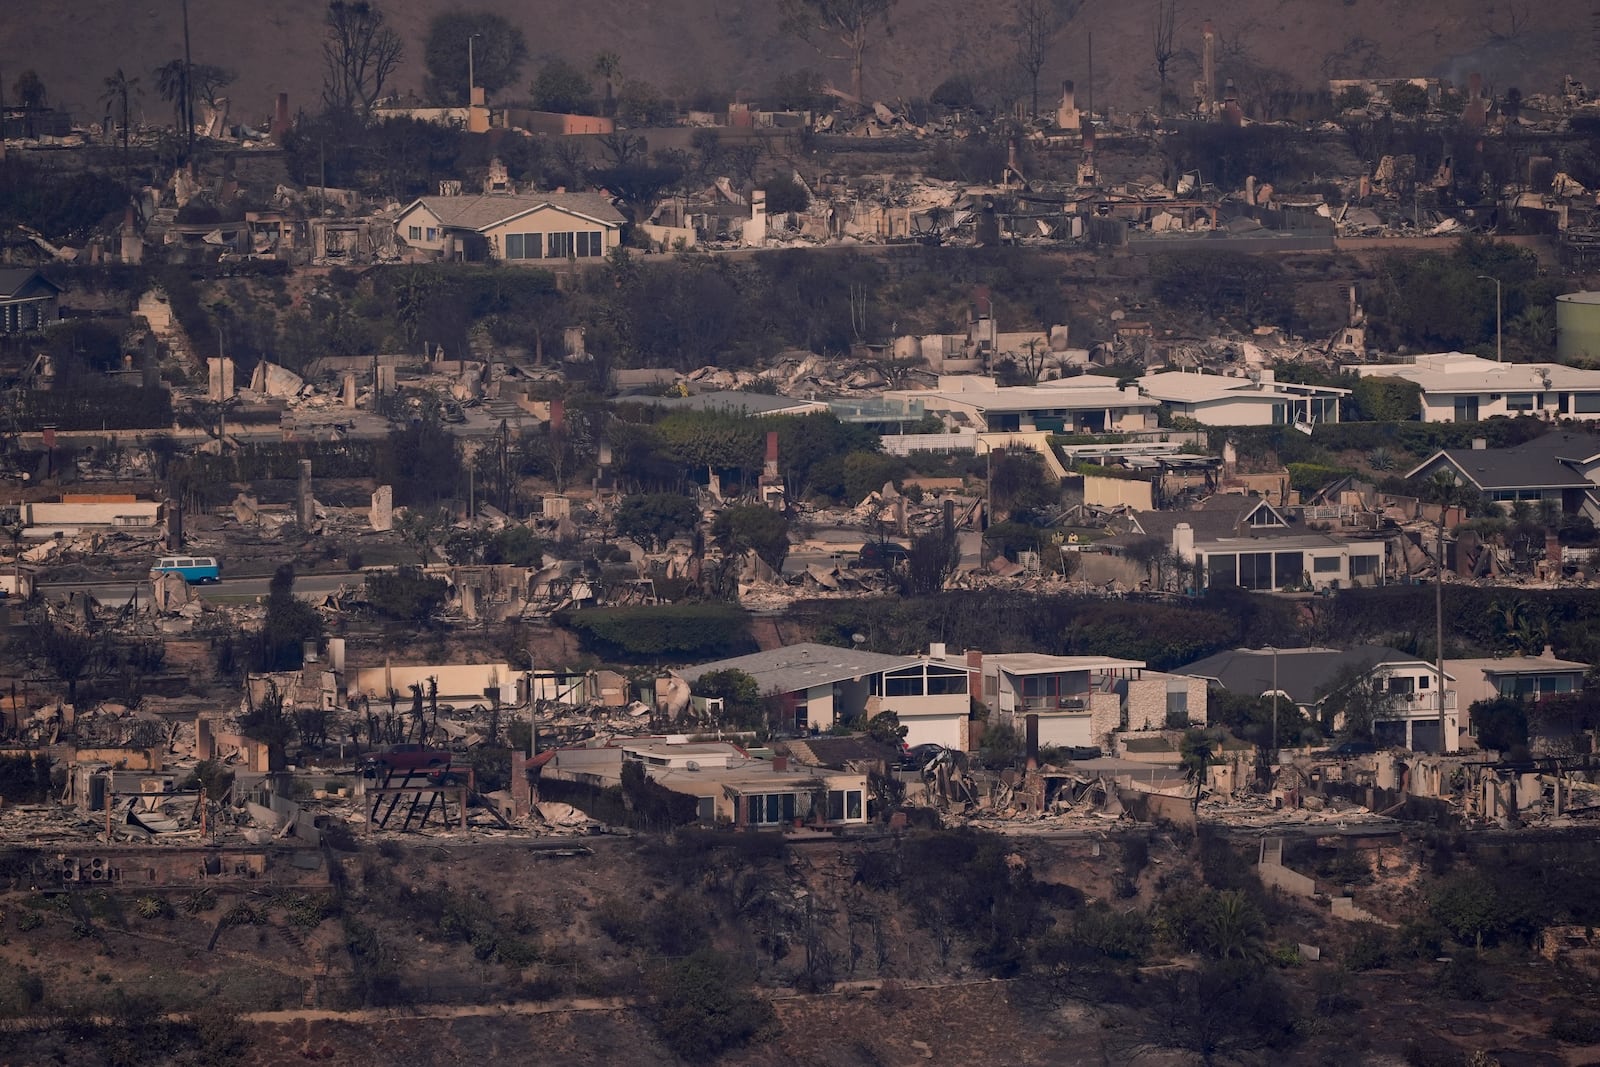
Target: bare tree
<point>1516,13</point>
<point>1037,23</point>
<point>852,23</point>
<point>1163,41</point>
<point>360,53</point>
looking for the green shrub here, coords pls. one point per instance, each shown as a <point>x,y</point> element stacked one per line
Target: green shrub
<point>1575,1029</point>
<point>1368,952</point>
<point>702,1009</point>
<point>669,631</point>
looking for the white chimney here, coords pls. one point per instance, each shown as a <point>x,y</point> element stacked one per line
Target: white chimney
<point>936,650</point>
<point>1183,542</point>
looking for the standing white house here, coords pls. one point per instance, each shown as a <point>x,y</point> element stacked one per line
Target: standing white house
<point>537,228</point>
<point>1457,387</point>
<point>1261,400</point>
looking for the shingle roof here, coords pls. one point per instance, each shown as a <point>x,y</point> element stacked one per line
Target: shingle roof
<point>482,212</point>
<point>13,280</point>
<point>1304,674</point>
<point>1533,464</point>
<point>796,667</point>
<point>1222,515</point>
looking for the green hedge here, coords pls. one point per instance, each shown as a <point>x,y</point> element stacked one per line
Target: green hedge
<point>694,632</point>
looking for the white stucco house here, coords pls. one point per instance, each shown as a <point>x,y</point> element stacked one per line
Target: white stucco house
<point>1458,387</point>
<point>820,686</point>
<point>1259,400</point>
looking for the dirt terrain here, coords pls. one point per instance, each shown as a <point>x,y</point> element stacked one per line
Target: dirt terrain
<point>735,47</point>
<point>564,974</point>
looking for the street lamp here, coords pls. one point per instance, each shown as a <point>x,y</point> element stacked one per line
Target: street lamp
<point>1499,352</point>
<point>472,79</point>
<point>1273,759</point>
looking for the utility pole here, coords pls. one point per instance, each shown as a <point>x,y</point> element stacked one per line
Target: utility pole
<point>1438,623</point>
<point>1274,759</point>
<point>472,80</point>
<point>1499,336</point>
<point>188,82</point>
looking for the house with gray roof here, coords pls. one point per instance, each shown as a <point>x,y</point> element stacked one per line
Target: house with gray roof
<point>1560,468</point>
<point>1310,677</point>
<point>1233,539</point>
<point>28,300</point>
<point>540,229</point>
<point>820,686</point>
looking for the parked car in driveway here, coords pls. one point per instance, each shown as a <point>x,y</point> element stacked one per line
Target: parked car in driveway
<point>409,758</point>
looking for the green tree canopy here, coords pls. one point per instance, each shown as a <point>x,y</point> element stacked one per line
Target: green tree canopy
<point>1408,99</point>
<point>755,528</point>
<point>1383,399</point>
<point>1500,724</point>
<point>406,594</point>
<point>498,52</point>
<point>559,86</point>
<point>655,518</point>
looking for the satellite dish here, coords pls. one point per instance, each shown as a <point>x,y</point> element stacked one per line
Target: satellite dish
<point>859,639</point>
<point>692,765</point>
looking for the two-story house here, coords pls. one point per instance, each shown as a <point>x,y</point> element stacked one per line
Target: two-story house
<point>1311,677</point>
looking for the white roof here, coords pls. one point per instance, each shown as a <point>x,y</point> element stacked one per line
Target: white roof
<point>1040,663</point>
<point>1516,665</point>
<point>1461,372</point>
<point>1183,387</point>
<point>1101,393</point>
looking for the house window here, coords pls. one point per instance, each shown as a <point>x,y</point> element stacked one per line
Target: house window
<point>903,684</point>
<point>802,718</point>
<point>844,804</point>
<point>589,243</point>
<point>942,681</point>
<point>1586,403</point>
<point>1222,569</point>
<point>1255,570</point>
<point>1401,685</point>
<point>1325,565</point>
<point>1291,567</point>
<point>1177,704</point>
<point>560,246</point>
<point>1425,681</point>
<point>991,685</point>
<point>1264,516</point>
<point>1466,409</point>
<point>1519,402</point>
<point>414,233</point>
<point>1365,566</point>
<point>769,809</point>
<point>513,246</point>
<point>433,233</point>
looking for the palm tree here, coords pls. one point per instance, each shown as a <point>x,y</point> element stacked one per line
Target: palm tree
<point>119,90</point>
<point>1197,755</point>
<point>608,65</point>
<point>172,82</point>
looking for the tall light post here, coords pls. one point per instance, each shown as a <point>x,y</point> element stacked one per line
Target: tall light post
<point>1272,759</point>
<point>1499,350</point>
<point>472,79</point>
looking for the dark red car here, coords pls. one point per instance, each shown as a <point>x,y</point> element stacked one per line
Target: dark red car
<point>408,757</point>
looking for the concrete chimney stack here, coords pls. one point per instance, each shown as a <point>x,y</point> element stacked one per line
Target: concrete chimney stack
<point>1183,542</point>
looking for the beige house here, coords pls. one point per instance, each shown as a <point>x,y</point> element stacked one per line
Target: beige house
<point>519,228</point>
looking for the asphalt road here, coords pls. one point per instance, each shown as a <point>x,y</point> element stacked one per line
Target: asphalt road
<point>117,592</point>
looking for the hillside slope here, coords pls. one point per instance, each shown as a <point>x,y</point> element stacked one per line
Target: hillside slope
<point>736,46</point>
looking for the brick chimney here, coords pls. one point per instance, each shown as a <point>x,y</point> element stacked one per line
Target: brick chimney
<point>975,679</point>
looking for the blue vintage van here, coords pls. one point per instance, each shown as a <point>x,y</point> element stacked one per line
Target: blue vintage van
<point>196,570</point>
